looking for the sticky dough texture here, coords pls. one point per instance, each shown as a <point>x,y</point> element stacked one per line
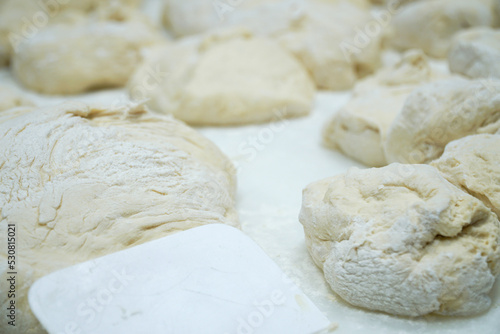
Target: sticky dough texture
<point>440,112</point>
<point>473,164</point>
<point>92,52</point>
<point>81,182</point>
<point>229,77</point>
<point>359,129</point>
<point>402,240</point>
<point>476,53</point>
<point>430,25</point>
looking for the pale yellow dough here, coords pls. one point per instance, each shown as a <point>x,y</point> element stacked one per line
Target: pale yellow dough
<point>226,78</point>
<point>476,53</point>
<point>80,182</point>
<point>438,113</point>
<point>359,129</point>
<point>322,34</point>
<point>11,98</point>
<point>101,50</point>
<point>473,164</point>
<point>431,24</point>
<point>401,239</point>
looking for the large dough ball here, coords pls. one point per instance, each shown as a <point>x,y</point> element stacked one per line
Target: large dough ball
<point>476,53</point>
<point>402,240</point>
<point>80,182</point>
<point>322,34</point>
<point>473,164</point>
<point>225,78</point>
<point>100,51</point>
<point>440,112</point>
<point>359,129</point>
<point>431,24</point>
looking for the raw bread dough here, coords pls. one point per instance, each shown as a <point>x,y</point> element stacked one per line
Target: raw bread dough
<point>440,112</point>
<point>81,182</point>
<point>359,129</point>
<point>431,24</point>
<point>229,77</point>
<point>23,19</point>
<point>322,34</point>
<point>402,240</point>
<point>101,50</point>
<point>10,98</point>
<point>476,53</point>
<point>473,164</point>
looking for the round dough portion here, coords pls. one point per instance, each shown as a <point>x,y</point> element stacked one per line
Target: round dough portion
<point>80,182</point>
<point>10,98</point>
<point>225,78</point>
<point>23,19</point>
<point>322,34</point>
<point>476,53</point>
<point>359,129</point>
<point>430,25</point>
<point>98,51</point>
<point>473,164</point>
<point>440,112</point>
<point>402,240</point>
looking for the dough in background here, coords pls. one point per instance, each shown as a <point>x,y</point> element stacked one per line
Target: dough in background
<point>476,53</point>
<point>401,239</point>
<point>22,19</point>
<point>431,24</point>
<point>359,129</point>
<point>322,34</point>
<point>472,163</point>
<point>10,98</point>
<point>438,113</point>
<point>80,182</point>
<point>98,51</point>
<point>224,78</point>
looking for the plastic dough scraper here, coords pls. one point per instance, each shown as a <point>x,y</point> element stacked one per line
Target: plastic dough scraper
<point>210,279</point>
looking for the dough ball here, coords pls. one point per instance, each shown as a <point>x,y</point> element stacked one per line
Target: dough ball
<point>473,164</point>
<point>440,112</point>
<point>359,129</point>
<point>10,98</point>
<point>80,182</point>
<point>322,34</point>
<point>225,78</point>
<point>430,24</point>
<point>402,240</point>
<point>23,19</point>
<point>100,51</point>
<point>476,53</point>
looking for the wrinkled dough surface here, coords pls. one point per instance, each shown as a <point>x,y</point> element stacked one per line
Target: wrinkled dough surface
<point>359,129</point>
<point>440,112</point>
<point>476,53</point>
<point>473,164</point>
<point>80,182</point>
<point>224,78</point>
<point>402,240</point>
